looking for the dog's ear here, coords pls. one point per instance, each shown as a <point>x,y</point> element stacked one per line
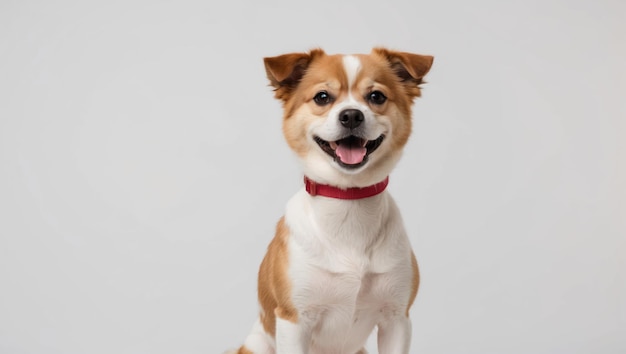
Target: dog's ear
<point>285,71</point>
<point>409,67</point>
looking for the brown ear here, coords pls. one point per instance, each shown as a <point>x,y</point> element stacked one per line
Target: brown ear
<point>285,71</point>
<point>408,66</point>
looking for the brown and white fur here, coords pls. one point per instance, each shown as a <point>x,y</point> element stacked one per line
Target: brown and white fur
<point>338,268</point>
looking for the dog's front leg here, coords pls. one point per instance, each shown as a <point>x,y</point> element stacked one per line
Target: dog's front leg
<point>394,335</point>
<point>292,337</point>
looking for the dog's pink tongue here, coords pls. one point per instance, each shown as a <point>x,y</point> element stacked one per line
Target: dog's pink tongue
<point>350,154</point>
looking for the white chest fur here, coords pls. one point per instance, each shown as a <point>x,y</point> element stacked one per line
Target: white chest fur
<point>349,264</point>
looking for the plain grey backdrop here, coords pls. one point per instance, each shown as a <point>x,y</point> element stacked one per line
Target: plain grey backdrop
<point>142,170</point>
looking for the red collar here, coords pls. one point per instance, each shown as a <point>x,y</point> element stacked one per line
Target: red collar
<point>350,193</point>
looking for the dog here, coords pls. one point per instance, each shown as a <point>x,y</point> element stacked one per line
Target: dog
<point>340,263</point>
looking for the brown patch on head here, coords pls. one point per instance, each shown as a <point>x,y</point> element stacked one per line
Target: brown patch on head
<point>326,73</point>
<point>274,286</point>
<point>415,282</point>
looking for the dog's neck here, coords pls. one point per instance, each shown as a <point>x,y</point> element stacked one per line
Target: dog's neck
<point>315,189</point>
<point>350,225</point>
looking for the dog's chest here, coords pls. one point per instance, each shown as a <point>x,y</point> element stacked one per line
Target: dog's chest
<point>349,239</point>
<point>348,264</point>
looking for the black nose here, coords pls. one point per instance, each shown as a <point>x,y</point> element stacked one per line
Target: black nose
<point>351,118</point>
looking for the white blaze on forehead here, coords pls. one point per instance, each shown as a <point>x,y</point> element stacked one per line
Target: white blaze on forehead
<point>352,66</point>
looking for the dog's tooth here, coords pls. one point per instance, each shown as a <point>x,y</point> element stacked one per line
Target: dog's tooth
<point>333,145</point>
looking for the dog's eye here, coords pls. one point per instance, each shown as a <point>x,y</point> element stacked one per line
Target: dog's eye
<point>377,97</point>
<point>322,98</point>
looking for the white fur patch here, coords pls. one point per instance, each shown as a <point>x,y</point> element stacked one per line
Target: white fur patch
<point>291,337</point>
<point>352,66</point>
<point>259,341</point>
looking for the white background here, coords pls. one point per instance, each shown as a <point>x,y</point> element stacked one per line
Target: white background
<point>142,170</point>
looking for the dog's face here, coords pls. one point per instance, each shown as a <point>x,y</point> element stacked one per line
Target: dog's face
<point>347,117</point>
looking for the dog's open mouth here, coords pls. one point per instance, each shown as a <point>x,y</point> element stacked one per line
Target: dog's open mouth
<point>350,152</point>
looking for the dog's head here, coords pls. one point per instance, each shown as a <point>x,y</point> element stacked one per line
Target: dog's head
<point>347,117</point>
